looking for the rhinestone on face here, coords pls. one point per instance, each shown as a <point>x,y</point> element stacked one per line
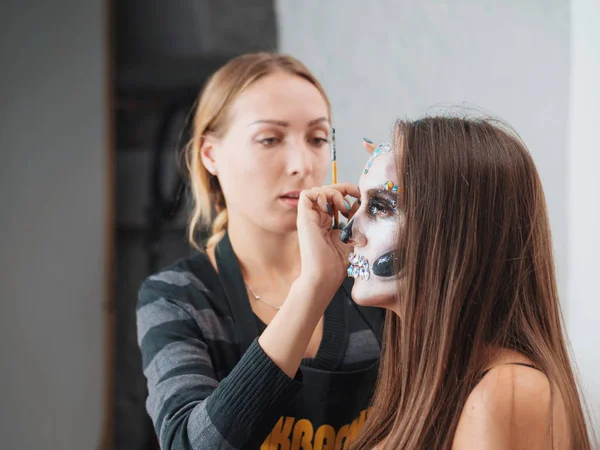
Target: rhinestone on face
<point>359,266</point>
<point>383,148</point>
<point>379,150</point>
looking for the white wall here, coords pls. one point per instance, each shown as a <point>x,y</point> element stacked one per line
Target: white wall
<point>53,178</point>
<point>379,60</point>
<point>518,60</point>
<point>583,306</point>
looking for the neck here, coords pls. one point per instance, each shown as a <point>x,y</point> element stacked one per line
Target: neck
<point>263,254</point>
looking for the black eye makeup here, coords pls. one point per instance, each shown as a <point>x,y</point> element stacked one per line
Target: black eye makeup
<point>381,203</point>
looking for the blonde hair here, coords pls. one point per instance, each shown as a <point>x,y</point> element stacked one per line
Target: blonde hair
<point>211,117</point>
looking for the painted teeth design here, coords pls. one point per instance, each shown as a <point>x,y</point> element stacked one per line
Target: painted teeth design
<point>359,267</point>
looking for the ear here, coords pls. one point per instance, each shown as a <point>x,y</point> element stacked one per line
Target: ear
<point>369,146</point>
<point>207,150</point>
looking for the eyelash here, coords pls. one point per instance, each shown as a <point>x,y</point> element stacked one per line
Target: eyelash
<point>319,141</point>
<point>269,141</point>
<point>377,208</point>
<point>272,141</point>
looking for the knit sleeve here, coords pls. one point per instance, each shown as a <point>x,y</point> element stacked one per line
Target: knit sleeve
<point>189,406</point>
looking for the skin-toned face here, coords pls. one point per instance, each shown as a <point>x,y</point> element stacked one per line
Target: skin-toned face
<point>374,232</point>
<point>276,145</point>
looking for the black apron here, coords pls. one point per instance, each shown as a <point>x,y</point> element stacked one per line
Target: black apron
<point>332,406</point>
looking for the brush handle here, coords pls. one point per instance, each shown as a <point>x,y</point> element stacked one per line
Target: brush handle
<point>336,222</point>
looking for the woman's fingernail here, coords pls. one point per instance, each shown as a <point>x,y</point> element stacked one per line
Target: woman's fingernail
<point>347,204</point>
<point>369,141</point>
<point>328,208</point>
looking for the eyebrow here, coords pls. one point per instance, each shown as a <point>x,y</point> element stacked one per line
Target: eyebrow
<point>381,190</point>
<point>378,191</point>
<point>282,123</point>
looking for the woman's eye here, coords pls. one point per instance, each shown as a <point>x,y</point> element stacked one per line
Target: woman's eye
<point>269,141</point>
<point>377,207</point>
<point>318,141</point>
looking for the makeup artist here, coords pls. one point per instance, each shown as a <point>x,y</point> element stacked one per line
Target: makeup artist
<point>246,345</point>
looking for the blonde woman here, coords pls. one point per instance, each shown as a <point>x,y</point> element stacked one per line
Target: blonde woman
<point>247,345</point>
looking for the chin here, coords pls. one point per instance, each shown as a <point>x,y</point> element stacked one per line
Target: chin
<point>374,293</point>
<point>282,225</point>
<point>289,226</point>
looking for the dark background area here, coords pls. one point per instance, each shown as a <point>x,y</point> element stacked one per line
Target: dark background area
<point>164,53</point>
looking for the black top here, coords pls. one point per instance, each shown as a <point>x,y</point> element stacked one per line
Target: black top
<point>211,386</point>
<point>485,372</point>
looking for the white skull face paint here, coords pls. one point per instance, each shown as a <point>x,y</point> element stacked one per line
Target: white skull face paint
<point>374,233</point>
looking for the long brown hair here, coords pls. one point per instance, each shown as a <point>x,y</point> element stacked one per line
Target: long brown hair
<point>211,117</point>
<point>479,275</point>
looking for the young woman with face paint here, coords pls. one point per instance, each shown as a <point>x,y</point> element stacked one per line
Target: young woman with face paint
<point>372,232</point>
<point>452,237</point>
<point>247,345</point>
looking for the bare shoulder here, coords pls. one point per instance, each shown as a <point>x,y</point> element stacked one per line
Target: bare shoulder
<point>511,408</point>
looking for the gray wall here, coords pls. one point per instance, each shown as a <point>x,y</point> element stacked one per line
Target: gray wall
<point>583,299</point>
<point>379,60</point>
<point>530,63</point>
<point>161,45</point>
<point>53,195</point>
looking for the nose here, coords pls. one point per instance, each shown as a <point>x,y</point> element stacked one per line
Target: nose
<point>300,160</point>
<point>351,234</point>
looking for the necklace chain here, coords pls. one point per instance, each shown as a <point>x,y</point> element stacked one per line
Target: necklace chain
<point>258,299</point>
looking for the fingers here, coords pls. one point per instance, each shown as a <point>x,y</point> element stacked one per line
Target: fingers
<point>339,190</point>
<point>349,213</point>
<point>344,189</point>
<point>341,247</point>
<point>344,205</point>
<point>340,203</point>
<point>353,209</point>
<point>323,203</point>
<point>330,198</point>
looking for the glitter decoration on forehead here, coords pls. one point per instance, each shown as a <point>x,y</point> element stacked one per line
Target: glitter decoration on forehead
<point>394,189</point>
<point>381,149</point>
<point>390,186</point>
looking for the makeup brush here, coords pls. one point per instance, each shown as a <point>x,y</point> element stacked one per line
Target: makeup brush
<point>336,223</point>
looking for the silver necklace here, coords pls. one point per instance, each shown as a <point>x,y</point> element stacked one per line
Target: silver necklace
<point>258,299</point>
